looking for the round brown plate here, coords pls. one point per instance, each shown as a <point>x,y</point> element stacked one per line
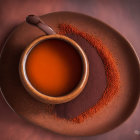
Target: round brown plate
<point>106,119</point>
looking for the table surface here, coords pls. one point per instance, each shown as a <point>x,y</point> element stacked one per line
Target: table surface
<point>121,15</point>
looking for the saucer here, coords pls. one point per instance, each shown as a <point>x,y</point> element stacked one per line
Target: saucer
<point>112,115</point>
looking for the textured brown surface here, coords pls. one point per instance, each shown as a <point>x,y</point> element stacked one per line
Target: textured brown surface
<point>122,15</point>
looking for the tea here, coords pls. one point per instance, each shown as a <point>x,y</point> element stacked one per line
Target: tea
<point>54,67</point>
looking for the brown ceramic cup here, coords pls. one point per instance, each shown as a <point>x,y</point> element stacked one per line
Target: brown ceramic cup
<point>34,20</point>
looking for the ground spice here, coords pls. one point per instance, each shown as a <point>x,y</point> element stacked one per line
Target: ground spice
<point>113,78</point>
<point>94,88</point>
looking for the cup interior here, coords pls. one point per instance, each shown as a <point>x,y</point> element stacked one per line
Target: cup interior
<point>67,75</point>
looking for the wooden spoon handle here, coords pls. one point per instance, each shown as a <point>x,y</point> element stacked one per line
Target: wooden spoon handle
<point>35,20</point>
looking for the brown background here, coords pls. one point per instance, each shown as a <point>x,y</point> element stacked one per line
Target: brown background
<point>123,15</point>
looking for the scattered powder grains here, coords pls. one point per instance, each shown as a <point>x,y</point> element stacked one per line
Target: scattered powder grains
<point>112,74</point>
<point>113,79</point>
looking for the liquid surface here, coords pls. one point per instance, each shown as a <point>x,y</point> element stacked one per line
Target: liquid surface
<point>54,67</point>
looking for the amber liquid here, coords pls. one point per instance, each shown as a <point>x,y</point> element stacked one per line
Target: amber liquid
<point>54,67</point>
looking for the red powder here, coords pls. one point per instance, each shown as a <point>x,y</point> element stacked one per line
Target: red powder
<point>113,78</point>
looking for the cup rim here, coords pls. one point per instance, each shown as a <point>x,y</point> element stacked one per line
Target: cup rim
<point>41,96</point>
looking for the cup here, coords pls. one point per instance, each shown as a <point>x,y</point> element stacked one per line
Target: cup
<point>50,34</point>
